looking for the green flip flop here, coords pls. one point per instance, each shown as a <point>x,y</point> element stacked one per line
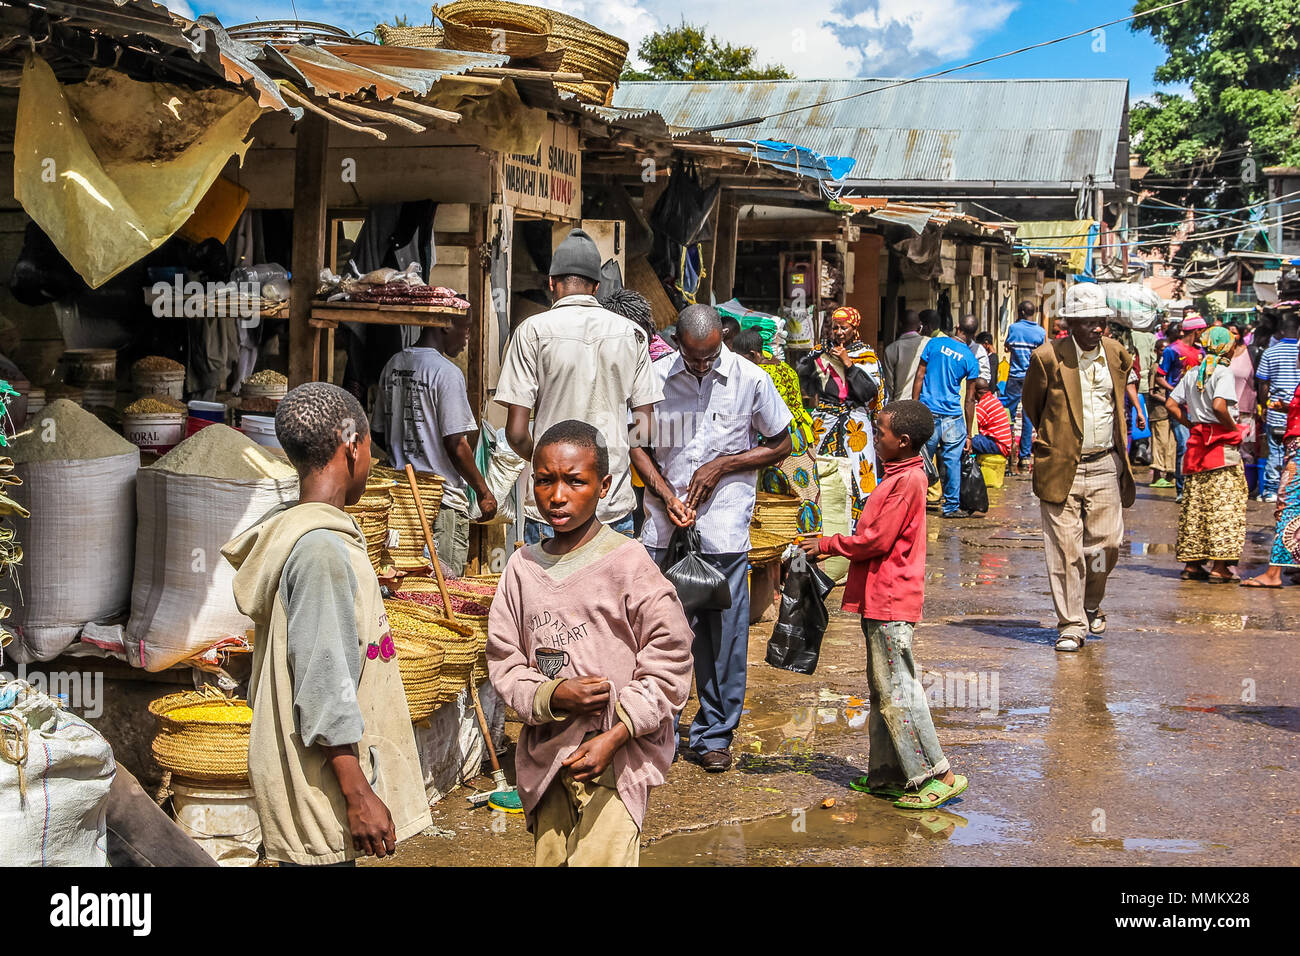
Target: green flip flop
<point>934,794</point>
<point>888,793</point>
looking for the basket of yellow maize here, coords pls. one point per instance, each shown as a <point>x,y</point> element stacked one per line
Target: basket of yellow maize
<point>427,626</point>
<point>203,735</point>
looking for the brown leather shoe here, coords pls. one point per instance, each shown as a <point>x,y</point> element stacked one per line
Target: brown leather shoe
<point>716,761</point>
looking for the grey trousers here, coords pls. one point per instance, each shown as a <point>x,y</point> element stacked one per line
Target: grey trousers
<point>1081,537</point>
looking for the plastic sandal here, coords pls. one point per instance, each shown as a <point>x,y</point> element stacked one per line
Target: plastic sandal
<point>1068,644</point>
<point>888,793</point>
<point>934,794</point>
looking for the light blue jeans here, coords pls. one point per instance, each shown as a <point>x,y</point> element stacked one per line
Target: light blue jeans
<point>1181,434</point>
<point>905,749</point>
<point>1272,467</point>
<point>1011,401</point>
<point>949,441</point>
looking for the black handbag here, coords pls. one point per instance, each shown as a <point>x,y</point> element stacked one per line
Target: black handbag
<point>700,586</point>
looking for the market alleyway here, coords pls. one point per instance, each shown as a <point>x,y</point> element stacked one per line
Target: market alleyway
<point>1173,740</point>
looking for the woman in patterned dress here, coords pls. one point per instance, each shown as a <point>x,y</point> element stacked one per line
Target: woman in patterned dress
<point>1286,543</point>
<point>842,426</point>
<point>1212,523</point>
<point>797,474</point>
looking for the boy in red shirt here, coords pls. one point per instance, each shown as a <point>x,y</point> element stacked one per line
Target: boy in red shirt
<point>886,586</point>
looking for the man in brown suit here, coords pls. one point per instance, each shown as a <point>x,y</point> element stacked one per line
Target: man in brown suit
<point>1074,397</point>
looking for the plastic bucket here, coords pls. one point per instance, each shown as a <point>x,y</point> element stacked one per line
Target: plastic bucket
<point>209,411</point>
<point>260,428</point>
<point>273,392</point>
<point>158,433</point>
<point>170,384</point>
<point>83,366</point>
<point>994,469</point>
<point>221,820</point>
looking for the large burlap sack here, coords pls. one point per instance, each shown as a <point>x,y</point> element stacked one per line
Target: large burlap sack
<point>53,801</point>
<point>77,550</point>
<point>834,475</point>
<point>183,600</point>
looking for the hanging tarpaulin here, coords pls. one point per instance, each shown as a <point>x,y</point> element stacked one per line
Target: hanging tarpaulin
<point>111,167</point>
<point>1069,236</point>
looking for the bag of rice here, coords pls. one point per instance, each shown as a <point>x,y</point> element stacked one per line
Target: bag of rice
<point>79,485</point>
<point>194,499</point>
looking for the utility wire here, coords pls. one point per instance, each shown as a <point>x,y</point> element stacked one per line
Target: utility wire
<point>752,120</point>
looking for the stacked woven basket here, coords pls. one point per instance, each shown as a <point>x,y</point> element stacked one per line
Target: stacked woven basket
<point>531,36</point>
<point>778,514</point>
<point>405,545</point>
<point>203,736</point>
<point>427,628</point>
<point>765,546</point>
<point>371,514</point>
<point>470,608</point>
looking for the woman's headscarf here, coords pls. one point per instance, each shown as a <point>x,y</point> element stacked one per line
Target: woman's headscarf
<point>848,316</point>
<point>1218,345</point>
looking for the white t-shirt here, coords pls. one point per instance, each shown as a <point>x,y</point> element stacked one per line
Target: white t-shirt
<point>581,361</point>
<point>422,400</point>
<point>1200,402</point>
<point>982,357</point>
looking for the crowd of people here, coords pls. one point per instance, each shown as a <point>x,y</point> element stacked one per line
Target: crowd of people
<point>642,445</point>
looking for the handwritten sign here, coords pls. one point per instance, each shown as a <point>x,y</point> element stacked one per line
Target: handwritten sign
<point>548,181</point>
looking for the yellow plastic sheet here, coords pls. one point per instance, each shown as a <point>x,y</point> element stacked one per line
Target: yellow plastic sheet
<point>110,168</point>
<point>1069,236</point>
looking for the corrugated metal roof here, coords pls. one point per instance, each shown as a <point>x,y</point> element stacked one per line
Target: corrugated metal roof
<point>931,131</point>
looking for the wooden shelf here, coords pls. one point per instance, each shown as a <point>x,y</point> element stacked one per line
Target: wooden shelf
<point>327,315</point>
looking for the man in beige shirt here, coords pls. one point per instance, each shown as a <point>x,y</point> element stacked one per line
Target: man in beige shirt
<point>578,361</point>
<point>1074,397</point>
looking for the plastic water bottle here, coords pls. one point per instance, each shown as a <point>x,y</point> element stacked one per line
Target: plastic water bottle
<point>271,277</point>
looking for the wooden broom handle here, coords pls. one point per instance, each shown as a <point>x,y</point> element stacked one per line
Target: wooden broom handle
<point>428,540</point>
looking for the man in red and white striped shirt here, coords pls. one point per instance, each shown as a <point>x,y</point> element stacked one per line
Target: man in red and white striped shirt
<point>994,424</point>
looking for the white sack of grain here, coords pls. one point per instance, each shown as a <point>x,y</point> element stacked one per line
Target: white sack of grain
<point>79,485</point>
<point>53,804</point>
<point>194,499</point>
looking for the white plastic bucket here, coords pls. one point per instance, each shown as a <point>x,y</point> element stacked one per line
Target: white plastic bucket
<point>260,428</point>
<point>169,383</point>
<point>273,392</point>
<point>158,433</point>
<point>221,820</point>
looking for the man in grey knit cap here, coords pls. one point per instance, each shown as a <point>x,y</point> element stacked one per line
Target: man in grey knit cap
<point>578,361</point>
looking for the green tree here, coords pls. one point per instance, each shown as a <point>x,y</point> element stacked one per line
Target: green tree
<point>1241,61</point>
<point>685,52</point>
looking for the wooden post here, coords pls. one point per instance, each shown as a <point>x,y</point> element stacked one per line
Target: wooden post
<point>309,209</point>
<point>480,313</point>
<point>724,247</point>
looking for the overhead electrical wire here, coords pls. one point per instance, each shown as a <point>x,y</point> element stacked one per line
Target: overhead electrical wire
<point>753,120</point>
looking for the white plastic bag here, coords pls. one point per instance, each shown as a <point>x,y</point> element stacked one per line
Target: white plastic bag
<point>78,549</point>
<point>53,801</point>
<point>1135,305</point>
<point>503,468</point>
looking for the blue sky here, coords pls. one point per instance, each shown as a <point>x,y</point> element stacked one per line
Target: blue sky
<point>836,38</point>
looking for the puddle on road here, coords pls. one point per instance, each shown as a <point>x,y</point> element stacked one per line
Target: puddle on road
<point>1141,844</point>
<point>864,823</point>
<point>1140,548</point>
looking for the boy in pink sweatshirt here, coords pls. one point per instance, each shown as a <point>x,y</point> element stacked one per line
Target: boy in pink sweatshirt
<point>588,642</point>
<point>886,586</point>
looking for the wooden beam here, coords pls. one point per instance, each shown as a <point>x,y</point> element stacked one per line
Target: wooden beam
<point>506,71</point>
<point>309,209</point>
<point>477,294</point>
<point>794,230</point>
<point>724,256</point>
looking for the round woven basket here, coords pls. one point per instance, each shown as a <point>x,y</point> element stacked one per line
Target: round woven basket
<point>207,750</point>
<point>421,665</point>
<point>403,519</point>
<point>492,26</point>
<point>478,623</point>
<point>473,588</point>
<point>424,625</point>
<point>550,60</point>
<point>778,514</point>
<point>427,37</point>
<point>765,546</point>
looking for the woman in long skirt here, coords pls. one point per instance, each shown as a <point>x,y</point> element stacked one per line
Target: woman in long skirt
<point>843,422</point>
<point>1286,542</point>
<point>1212,524</point>
<point>797,474</point>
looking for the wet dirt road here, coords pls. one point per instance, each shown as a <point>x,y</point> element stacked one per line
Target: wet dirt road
<point>1173,740</point>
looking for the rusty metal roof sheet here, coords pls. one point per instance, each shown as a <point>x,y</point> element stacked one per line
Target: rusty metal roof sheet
<point>931,131</point>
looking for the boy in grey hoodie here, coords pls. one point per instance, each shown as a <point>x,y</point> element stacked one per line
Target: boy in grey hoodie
<point>331,756</point>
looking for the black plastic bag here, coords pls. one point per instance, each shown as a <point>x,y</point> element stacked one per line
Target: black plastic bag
<point>974,495</point>
<point>700,586</point>
<point>796,640</point>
